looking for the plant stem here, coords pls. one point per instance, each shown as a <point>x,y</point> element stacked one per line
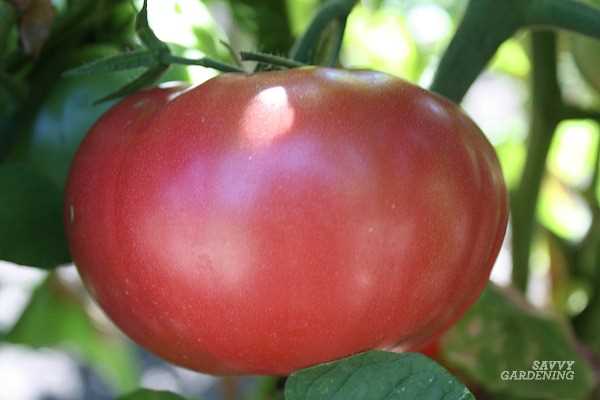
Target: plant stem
<point>203,62</point>
<point>304,50</point>
<point>270,59</point>
<point>486,24</point>
<point>573,112</point>
<point>545,117</point>
<point>564,14</point>
<point>329,50</point>
<point>268,20</point>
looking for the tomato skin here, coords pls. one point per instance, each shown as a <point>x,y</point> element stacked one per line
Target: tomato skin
<point>265,223</point>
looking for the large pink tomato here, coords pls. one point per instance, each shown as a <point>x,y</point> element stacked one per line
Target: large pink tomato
<point>264,223</point>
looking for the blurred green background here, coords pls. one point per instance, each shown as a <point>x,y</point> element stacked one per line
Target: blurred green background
<point>56,344</point>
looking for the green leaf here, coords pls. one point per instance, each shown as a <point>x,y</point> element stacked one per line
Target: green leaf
<point>376,375</point>
<point>488,23</point>
<point>12,83</point>
<point>209,45</point>
<point>12,94</point>
<point>8,17</point>
<point>63,120</point>
<point>31,228</point>
<point>120,62</point>
<point>55,317</point>
<point>146,394</point>
<point>147,78</point>
<point>270,59</point>
<point>145,33</point>
<point>499,333</point>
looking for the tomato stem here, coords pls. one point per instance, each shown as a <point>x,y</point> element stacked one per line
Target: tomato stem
<point>488,23</point>
<point>270,59</point>
<point>547,103</point>
<point>564,14</point>
<point>333,11</point>
<point>203,62</point>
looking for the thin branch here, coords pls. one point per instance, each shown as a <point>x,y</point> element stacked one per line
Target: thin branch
<point>545,117</point>
<point>270,59</point>
<point>486,24</point>
<point>203,62</point>
<point>571,15</point>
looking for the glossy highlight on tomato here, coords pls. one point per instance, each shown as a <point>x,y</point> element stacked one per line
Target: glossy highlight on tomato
<point>259,224</point>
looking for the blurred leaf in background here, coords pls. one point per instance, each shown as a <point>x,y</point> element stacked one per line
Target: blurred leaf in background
<point>66,115</point>
<point>570,169</point>
<point>31,228</point>
<point>501,334</point>
<point>56,317</point>
<point>267,21</point>
<point>378,39</point>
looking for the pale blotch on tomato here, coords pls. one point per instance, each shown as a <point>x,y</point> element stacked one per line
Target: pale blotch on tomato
<point>267,116</point>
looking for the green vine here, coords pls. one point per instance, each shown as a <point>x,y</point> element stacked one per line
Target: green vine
<point>545,117</point>
<point>333,11</point>
<point>488,23</point>
<point>270,59</point>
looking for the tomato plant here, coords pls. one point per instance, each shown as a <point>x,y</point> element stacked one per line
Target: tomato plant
<point>586,52</point>
<point>65,116</point>
<point>68,112</point>
<point>264,223</point>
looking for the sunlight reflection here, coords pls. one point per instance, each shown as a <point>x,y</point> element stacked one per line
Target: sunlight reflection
<point>379,40</point>
<point>17,282</point>
<point>429,23</point>
<point>268,116</point>
<point>56,374</point>
<point>571,156</point>
<point>174,21</point>
<point>356,77</point>
<point>563,211</point>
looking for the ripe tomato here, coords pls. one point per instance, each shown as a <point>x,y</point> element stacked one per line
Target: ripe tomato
<point>264,223</point>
